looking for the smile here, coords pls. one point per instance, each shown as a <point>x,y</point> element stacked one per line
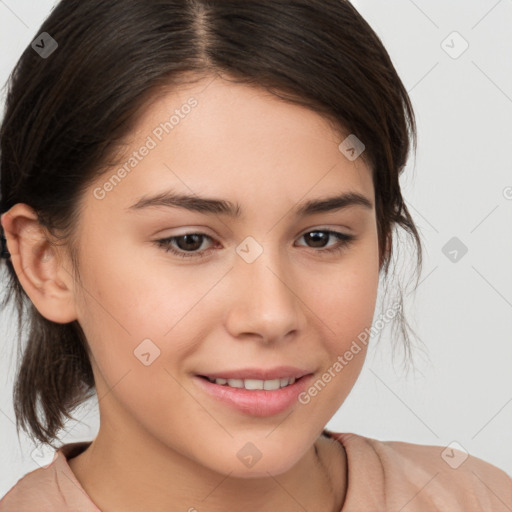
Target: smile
<point>253,384</point>
<point>255,397</point>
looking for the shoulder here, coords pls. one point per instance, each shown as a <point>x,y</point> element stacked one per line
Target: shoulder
<point>30,490</point>
<point>416,477</point>
<point>50,488</point>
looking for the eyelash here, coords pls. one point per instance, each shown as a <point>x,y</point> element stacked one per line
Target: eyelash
<point>165,243</point>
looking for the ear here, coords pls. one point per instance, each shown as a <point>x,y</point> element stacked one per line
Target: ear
<point>38,264</point>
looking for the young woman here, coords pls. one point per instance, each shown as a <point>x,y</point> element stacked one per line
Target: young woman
<point>198,199</point>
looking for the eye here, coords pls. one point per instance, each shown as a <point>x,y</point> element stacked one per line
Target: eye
<point>188,245</point>
<point>319,236</point>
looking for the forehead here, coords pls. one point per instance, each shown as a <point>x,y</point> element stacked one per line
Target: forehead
<point>226,103</point>
<point>231,139</point>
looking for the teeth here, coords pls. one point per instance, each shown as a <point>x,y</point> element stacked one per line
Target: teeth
<point>254,383</point>
<point>269,385</point>
<point>236,383</point>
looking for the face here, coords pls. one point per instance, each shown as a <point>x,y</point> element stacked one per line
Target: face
<point>171,293</point>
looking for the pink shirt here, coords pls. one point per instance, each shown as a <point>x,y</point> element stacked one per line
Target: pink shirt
<point>384,476</point>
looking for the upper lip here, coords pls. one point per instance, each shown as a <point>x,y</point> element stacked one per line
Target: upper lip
<point>279,372</point>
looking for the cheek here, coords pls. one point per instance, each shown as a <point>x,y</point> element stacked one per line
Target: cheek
<point>140,316</point>
<point>136,296</point>
<point>139,326</point>
<point>344,300</point>
<point>349,305</point>
<point>344,294</point>
<point>347,310</point>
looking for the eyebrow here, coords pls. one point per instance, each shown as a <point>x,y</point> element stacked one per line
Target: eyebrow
<point>222,207</point>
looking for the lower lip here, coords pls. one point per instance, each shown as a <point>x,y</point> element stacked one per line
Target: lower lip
<point>260,402</point>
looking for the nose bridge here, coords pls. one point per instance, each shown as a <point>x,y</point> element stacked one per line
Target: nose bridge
<point>264,303</point>
<point>264,259</point>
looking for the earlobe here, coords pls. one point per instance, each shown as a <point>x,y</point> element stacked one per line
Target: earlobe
<point>38,264</point>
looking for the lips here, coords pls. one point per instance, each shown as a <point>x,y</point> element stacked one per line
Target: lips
<point>255,402</point>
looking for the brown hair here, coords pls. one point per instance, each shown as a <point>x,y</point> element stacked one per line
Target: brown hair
<point>66,114</point>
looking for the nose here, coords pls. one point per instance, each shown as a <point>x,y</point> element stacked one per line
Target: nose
<point>263,302</point>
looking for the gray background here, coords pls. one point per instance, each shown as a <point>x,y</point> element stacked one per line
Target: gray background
<point>459,185</point>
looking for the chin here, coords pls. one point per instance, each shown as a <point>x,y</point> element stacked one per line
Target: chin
<point>251,463</point>
<point>261,470</point>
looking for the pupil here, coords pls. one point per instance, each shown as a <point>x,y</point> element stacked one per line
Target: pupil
<point>194,237</point>
<point>317,236</point>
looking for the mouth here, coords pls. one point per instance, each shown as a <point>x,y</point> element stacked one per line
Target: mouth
<point>255,397</point>
<point>253,384</point>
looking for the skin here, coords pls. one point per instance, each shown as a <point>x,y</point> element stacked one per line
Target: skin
<point>163,444</point>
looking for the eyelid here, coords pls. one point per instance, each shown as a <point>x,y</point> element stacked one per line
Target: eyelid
<point>203,230</point>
